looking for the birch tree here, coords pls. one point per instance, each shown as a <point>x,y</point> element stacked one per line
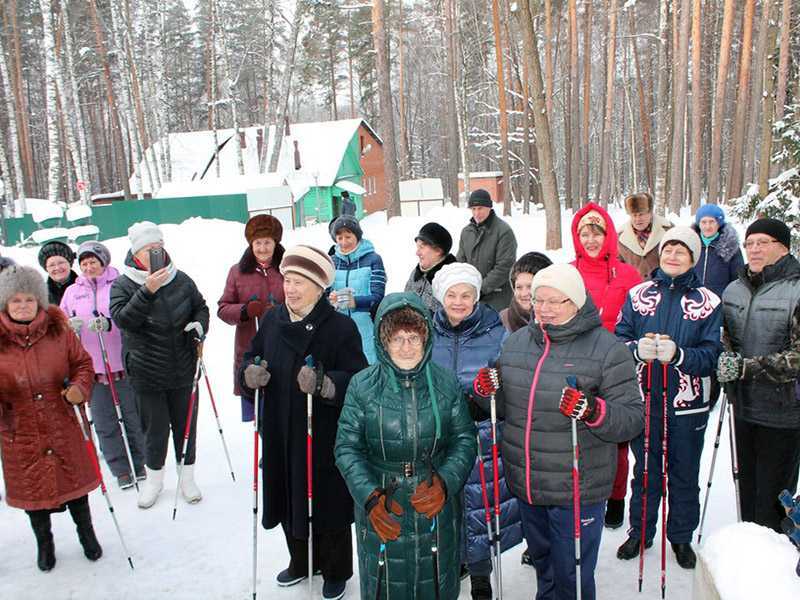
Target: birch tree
<point>54,157</point>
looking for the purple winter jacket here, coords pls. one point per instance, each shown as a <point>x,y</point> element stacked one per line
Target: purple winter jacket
<point>81,299</point>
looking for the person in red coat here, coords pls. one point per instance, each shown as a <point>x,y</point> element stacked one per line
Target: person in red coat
<point>44,370</point>
<point>253,287</point>
<point>607,280</point>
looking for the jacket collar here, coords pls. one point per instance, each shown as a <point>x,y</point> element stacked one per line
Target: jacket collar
<point>49,320</point>
<point>483,317</point>
<point>298,335</point>
<point>108,275</point>
<point>628,236</point>
<point>431,273</point>
<point>726,243</point>
<point>688,280</point>
<point>786,268</point>
<point>586,319</point>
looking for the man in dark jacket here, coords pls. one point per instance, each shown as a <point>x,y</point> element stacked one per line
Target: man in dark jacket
<point>163,317</point>
<point>760,370</point>
<point>433,252</point>
<point>489,245</point>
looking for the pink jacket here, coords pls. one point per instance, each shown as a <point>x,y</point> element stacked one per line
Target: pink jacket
<point>81,299</point>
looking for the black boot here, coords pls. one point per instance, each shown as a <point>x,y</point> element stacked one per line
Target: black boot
<point>630,549</point>
<point>615,513</point>
<point>46,551</point>
<point>481,588</point>
<point>79,509</point>
<point>684,555</point>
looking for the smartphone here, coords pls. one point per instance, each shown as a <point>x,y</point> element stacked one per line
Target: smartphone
<point>157,259</point>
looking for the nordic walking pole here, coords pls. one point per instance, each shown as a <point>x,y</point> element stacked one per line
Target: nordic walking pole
<point>115,398</point>
<point>488,512</point>
<point>496,473</point>
<point>310,480</point>
<point>664,482</point>
<point>647,399</point>
<point>186,432</point>
<point>387,503</point>
<point>576,495</point>
<point>93,458</point>
<point>216,416</point>
<point>256,415</point>
<point>722,407</point>
<point>734,457</point>
<point>88,409</point>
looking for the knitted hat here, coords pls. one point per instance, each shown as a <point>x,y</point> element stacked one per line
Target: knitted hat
<point>562,277</point>
<point>530,262</point>
<point>309,262</point>
<point>453,274</point>
<point>686,236</point>
<point>710,210</point>
<point>142,233</point>
<point>95,249</point>
<point>479,197</point>
<point>773,228</point>
<point>55,249</point>
<point>22,280</point>
<point>637,203</point>
<point>346,222</point>
<point>263,226</point>
<point>434,234</point>
<point>592,217</point>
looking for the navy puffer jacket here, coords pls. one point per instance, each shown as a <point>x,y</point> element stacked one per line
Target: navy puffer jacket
<point>720,261</point>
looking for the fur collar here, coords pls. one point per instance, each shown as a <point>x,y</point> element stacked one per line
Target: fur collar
<point>628,237</point>
<point>726,244</point>
<point>50,322</point>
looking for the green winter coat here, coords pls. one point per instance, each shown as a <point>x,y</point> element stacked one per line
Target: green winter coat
<point>388,419</point>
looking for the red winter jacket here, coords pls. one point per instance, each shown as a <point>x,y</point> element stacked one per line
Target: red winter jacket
<point>45,461</point>
<point>606,277</point>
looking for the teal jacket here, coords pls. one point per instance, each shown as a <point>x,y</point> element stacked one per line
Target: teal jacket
<point>391,417</point>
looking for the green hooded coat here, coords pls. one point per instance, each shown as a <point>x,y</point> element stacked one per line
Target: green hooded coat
<point>389,419</point>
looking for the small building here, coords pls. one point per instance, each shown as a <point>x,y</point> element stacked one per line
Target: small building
<point>418,196</point>
<point>491,181</point>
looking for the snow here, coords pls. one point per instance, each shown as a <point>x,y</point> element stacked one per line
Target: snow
<point>206,551</point>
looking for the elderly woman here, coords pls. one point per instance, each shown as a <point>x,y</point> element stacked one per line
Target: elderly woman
<point>163,318</point>
<point>672,326</point>
<point>360,280</point>
<point>519,312</point>
<point>254,286</point>
<point>56,258</point>
<point>86,304</point>
<point>405,447</point>
<point>44,371</point>
<point>468,336</point>
<point>433,252</point>
<point>564,365</point>
<point>306,326</point>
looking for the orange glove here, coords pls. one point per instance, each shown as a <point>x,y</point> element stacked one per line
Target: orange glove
<point>381,519</point>
<point>429,499</point>
<point>73,395</point>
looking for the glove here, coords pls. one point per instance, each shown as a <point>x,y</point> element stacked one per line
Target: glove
<point>665,349</point>
<point>380,516</point>
<point>647,349</point>
<point>577,405</point>
<point>428,499</point>
<point>195,329</point>
<point>76,323</point>
<point>730,367</point>
<point>255,308</point>
<point>256,376</point>
<point>307,380</point>
<point>486,382</point>
<point>73,395</point>
<point>99,323</point>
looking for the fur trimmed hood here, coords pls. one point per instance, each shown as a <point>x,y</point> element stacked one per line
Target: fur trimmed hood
<point>726,244</point>
<point>48,322</point>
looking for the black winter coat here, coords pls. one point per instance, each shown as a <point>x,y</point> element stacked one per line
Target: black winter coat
<point>156,351</point>
<point>332,339</point>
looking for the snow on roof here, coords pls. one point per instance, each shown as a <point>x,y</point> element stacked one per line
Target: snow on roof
<point>232,184</point>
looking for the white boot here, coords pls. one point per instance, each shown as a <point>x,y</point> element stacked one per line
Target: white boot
<point>151,488</point>
<point>189,490</point>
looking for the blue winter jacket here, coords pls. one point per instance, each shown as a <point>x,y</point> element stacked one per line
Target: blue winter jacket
<point>362,270</point>
<point>720,261</point>
<point>464,349</point>
<point>692,316</point>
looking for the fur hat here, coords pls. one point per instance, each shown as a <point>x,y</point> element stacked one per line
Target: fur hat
<point>348,222</point>
<point>453,274</point>
<point>479,197</point>
<point>51,249</point>
<point>434,234</point>
<point>96,249</point>
<point>562,277</point>
<point>773,228</point>
<point>17,279</point>
<point>530,262</point>
<point>142,233</point>
<point>686,236</point>
<point>710,210</point>
<point>641,202</point>
<point>405,318</point>
<point>592,217</point>
<point>263,226</point>
<point>309,262</point>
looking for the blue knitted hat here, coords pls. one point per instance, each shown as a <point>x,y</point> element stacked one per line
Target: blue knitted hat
<point>710,210</point>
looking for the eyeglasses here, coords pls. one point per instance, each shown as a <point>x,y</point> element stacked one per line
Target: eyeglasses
<point>749,245</point>
<point>550,303</point>
<point>399,341</point>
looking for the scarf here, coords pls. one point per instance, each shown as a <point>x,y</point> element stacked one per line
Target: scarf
<point>518,317</point>
<point>707,240</point>
<point>642,235</point>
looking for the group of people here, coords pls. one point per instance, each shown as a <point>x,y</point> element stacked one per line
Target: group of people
<point>411,392</point>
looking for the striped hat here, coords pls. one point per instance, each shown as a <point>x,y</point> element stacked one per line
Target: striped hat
<point>310,263</point>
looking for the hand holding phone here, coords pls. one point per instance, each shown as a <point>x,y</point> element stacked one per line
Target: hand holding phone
<point>157,259</point>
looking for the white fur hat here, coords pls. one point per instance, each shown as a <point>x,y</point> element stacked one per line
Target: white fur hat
<point>453,274</point>
<point>562,277</point>
<point>17,279</point>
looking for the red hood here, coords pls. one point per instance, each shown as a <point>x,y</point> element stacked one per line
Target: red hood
<point>610,248</point>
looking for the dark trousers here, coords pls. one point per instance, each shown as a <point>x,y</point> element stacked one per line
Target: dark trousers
<point>162,410</point>
<point>550,534</point>
<point>108,430</point>
<point>333,554</point>
<point>620,489</point>
<point>769,460</point>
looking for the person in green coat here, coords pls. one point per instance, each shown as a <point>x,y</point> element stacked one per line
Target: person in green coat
<point>405,446</point>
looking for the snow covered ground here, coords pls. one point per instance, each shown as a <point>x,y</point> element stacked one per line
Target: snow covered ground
<point>206,551</point>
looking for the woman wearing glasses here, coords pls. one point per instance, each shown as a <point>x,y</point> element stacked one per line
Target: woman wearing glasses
<point>563,365</point>
<point>405,447</point>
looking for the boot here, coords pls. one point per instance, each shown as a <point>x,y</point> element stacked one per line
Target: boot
<point>630,549</point>
<point>189,490</point>
<point>149,491</point>
<point>46,551</point>
<point>79,509</point>
<point>615,513</point>
<point>684,555</point>
<point>481,587</point>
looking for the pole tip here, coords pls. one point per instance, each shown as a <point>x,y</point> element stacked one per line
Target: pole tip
<point>130,562</point>
<point>174,512</point>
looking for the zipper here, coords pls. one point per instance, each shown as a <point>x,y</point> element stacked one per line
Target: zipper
<point>705,264</point>
<point>529,420</point>
<point>412,427</point>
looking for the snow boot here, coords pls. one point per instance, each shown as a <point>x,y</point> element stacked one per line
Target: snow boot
<point>46,551</point>
<point>630,549</point>
<point>615,513</point>
<point>333,590</point>
<point>525,559</point>
<point>684,555</point>
<point>189,490</point>
<point>481,587</point>
<point>82,516</point>
<point>149,491</point>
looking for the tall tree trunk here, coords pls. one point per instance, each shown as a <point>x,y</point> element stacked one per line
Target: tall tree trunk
<point>680,75</point>
<point>587,89</point>
<point>451,145</point>
<point>605,144</point>
<point>23,111</point>
<point>715,162</point>
<point>644,108</point>
<point>769,104</point>
<point>572,110</point>
<point>75,107</point>
<point>548,57</point>
<point>501,97</point>
<point>17,183</point>
<point>401,95</point>
<point>233,97</point>
<point>527,134</point>
<point>54,156</point>
<point>664,108</point>
<point>783,60</point>
<point>696,167</point>
<point>756,90</point>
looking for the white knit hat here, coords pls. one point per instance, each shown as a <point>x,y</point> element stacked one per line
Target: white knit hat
<point>453,274</point>
<point>142,233</point>
<point>562,277</point>
<point>686,236</point>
